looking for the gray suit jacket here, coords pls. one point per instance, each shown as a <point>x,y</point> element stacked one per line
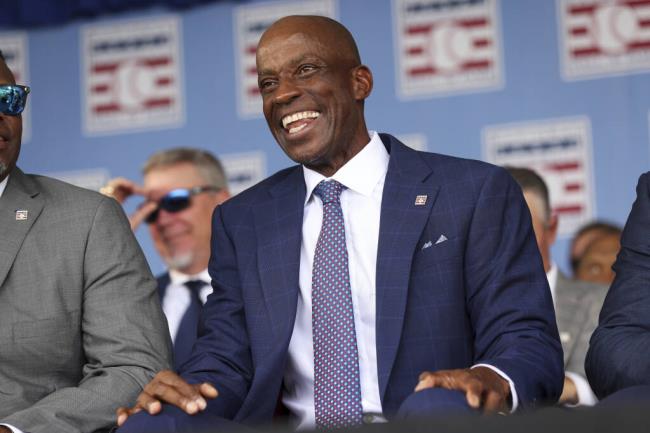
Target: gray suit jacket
<point>81,328</point>
<point>577,305</point>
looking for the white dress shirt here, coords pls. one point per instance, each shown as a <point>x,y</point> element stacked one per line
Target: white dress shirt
<point>363,176</point>
<point>177,297</point>
<point>3,185</point>
<point>586,396</point>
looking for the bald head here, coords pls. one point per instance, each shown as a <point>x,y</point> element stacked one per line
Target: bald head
<point>334,37</point>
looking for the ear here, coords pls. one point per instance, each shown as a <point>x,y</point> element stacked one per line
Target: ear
<point>361,82</point>
<point>552,227</point>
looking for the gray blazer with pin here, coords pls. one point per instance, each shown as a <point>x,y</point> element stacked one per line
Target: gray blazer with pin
<point>81,328</point>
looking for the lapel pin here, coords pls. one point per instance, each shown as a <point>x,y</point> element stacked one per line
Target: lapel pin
<point>21,215</point>
<point>421,200</point>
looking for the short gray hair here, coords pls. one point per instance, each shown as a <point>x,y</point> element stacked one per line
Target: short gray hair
<point>205,162</point>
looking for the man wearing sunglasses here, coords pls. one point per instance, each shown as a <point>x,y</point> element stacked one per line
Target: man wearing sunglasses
<point>181,188</point>
<point>80,322</point>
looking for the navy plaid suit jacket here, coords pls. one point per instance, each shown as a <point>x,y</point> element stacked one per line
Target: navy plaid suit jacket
<point>481,296</point>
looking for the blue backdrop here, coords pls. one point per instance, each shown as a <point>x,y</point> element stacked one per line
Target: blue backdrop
<point>532,88</point>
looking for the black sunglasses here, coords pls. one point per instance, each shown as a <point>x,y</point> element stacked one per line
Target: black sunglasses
<point>176,200</point>
<point>13,98</point>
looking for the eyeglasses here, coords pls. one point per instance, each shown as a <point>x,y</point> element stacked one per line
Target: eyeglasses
<point>177,199</point>
<point>13,98</point>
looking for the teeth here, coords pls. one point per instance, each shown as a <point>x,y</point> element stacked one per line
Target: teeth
<point>297,128</point>
<point>298,116</point>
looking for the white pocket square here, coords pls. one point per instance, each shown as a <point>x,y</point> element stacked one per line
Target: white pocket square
<point>441,239</point>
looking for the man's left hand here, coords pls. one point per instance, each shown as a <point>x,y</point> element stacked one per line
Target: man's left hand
<point>484,389</point>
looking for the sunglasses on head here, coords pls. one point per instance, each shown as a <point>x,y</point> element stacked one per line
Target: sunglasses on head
<point>13,98</point>
<point>176,200</point>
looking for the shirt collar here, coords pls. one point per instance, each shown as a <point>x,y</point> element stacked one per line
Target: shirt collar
<point>360,174</point>
<point>179,278</point>
<point>551,276</point>
<point>3,185</point>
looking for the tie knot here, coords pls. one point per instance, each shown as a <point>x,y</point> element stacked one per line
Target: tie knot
<point>329,191</point>
<point>194,286</point>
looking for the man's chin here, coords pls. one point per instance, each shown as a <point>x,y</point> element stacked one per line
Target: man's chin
<point>180,261</point>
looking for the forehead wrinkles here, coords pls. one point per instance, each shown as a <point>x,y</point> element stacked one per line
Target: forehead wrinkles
<point>278,49</point>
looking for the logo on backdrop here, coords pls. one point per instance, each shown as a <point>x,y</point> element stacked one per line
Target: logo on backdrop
<point>90,179</point>
<point>14,50</point>
<point>250,23</point>
<point>559,150</point>
<point>243,170</point>
<point>600,38</point>
<point>132,76</point>
<point>447,46</point>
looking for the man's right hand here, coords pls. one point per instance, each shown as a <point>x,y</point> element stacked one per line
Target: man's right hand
<point>121,189</point>
<point>168,387</point>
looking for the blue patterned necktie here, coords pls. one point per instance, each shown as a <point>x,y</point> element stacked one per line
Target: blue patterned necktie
<point>337,393</point>
<point>188,328</point>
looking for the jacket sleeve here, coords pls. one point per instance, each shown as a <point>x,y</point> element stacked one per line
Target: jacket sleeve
<point>124,333</point>
<point>508,297</point>
<point>619,348</point>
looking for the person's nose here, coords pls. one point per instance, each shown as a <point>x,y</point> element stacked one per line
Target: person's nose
<point>286,92</point>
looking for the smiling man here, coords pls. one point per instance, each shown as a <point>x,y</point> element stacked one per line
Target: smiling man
<point>80,323</point>
<point>368,283</point>
<point>181,188</point>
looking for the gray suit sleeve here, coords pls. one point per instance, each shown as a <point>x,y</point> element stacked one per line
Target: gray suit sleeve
<point>124,334</point>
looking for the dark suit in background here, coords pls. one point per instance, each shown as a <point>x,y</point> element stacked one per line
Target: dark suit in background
<point>619,355</point>
<point>81,329</point>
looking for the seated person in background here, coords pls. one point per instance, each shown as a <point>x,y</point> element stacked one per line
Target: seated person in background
<point>369,282</point>
<point>598,267</point>
<point>577,303</point>
<point>181,188</point>
<point>81,329</point>
<point>619,352</point>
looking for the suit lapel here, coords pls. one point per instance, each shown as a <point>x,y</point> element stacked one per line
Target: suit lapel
<point>278,226</point>
<point>21,194</point>
<point>402,222</point>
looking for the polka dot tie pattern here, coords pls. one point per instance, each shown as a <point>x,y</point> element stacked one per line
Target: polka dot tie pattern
<point>337,393</point>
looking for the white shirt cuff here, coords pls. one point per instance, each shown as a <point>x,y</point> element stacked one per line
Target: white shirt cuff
<point>513,391</point>
<point>12,428</point>
<point>586,396</point>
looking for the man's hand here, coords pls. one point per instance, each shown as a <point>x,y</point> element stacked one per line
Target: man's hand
<point>483,387</point>
<point>168,387</point>
<point>4,429</point>
<point>121,189</point>
<point>569,392</point>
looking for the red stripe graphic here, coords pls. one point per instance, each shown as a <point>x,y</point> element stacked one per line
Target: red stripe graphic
<point>253,91</point>
<point>159,61</point>
<point>572,187</point>
<point>414,51</point>
<point>472,23</point>
<point>164,81</point>
<point>634,3</point>
<point>100,88</point>
<point>569,209</point>
<point>582,9</point>
<point>482,43</point>
<point>564,166</point>
<point>105,67</point>
<point>479,64</point>
<point>425,70</point>
<point>106,108</point>
<point>415,30</point>
<point>639,45</point>
<point>576,31</point>
<point>159,102</point>
<point>251,49</point>
<point>583,52</point>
